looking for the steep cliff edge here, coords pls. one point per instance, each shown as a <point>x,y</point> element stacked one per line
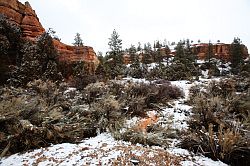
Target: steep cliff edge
<point>25,17</point>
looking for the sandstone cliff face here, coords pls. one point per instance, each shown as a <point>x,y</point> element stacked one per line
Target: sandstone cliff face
<point>24,16</point>
<point>220,50</point>
<point>71,54</point>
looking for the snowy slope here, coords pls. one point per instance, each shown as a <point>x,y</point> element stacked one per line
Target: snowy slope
<point>105,150</point>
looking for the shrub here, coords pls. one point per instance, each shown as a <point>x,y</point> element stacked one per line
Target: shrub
<point>142,89</point>
<point>168,91</point>
<point>105,114</point>
<point>82,81</point>
<point>39,115</point>
<point>218,123</point>
<point>137,107</point>
<point>10,42</point>
<point>94,92</point>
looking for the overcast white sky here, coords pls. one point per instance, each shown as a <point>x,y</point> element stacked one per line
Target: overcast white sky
<point>145,20</point>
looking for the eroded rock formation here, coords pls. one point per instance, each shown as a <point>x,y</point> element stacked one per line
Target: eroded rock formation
<point>220,50</point>
<point>25,17</point>
<point>71,54</point>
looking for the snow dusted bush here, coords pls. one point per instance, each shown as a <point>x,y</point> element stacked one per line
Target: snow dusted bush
<point>168,92</point>
<point>219,122</point>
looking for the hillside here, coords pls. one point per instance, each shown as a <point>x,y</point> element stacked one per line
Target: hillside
<point>161,104</point>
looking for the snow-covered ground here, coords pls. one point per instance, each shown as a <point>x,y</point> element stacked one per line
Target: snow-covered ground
<point>105,150</point>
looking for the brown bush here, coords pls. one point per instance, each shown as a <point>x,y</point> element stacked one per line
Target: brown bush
<point>39,115</point>
<point>168,91</point>
<point>219,123</point>
<point>141,90</point>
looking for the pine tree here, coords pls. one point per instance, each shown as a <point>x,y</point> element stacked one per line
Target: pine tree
<point>179,51</point>
<point>185,58</point>
<point>236,55</point>
<point>132,53</point>
<point>139,47</point>
<point>115,46</point>
<point>158,58</point>
<point>10,42</point>
<point>148,48</point>
<point>189,53</point>
<point>115,66</point>
<point>39,61</point>
<point>157,44</point>
<point>209,54</point>
<point>136,69</point>
<point>167,53</point>
<point>101,70</point>
<point>78,40</point>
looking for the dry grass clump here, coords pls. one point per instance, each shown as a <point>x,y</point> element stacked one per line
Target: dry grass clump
<point>219,125</point>
<point>159,137</point>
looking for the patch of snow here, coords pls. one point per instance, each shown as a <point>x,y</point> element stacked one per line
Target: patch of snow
<point>200,61</point>
<point>178,151</point>
<point>205,73</point>
<point>136,80</point>
<point>70,89</point>
<point>184,85</point>
<point>202,161</point>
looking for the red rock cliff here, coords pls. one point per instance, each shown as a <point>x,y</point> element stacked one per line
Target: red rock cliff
<point>24,16</point>
<point>220,50</point>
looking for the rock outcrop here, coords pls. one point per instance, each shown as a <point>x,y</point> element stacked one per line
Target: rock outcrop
<point>71,54</point>
<point>220,50</point>
<point>25,17</point>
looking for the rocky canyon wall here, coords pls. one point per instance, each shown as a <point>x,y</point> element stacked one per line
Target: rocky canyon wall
<point>219,50</point>
<point>25,17</point>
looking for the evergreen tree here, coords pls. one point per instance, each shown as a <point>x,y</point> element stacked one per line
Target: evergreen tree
<point>190,58</point>
<point>10,43</point>
<point>185,59</point>
<point>132,53</point>
<point>146,58</point>
<point>167,53</point>
<point>139,47</point>
<point>209,54</point>
<point>115,65</point>
<point>39,61</point>
<point>236,55</point>
<point>136,69</point>
<point>157,44</point>
<point>115,46</point>
<point>158,58</point>
<point>78,40</point>
<point>179,51</point>
<point>102,68</point>
<point>148,48</point>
